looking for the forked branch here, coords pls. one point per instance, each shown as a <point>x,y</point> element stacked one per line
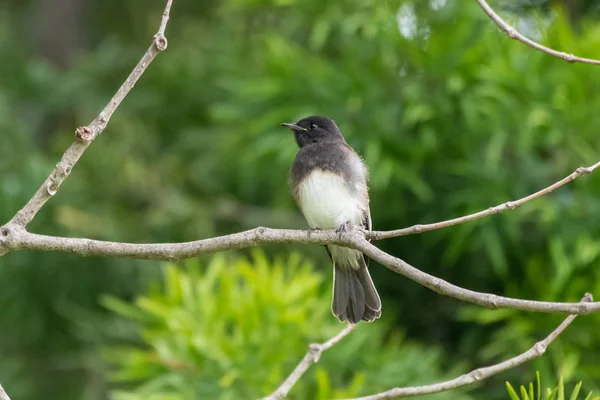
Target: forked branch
<point>354,238</point>
<point>83,138</point>
<point>312,356</point>
<point>86,134</point>
<point>509,205</point>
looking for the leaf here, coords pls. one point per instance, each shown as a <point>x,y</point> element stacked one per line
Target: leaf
<point>495,251</point>
<point>320,33</point>
<point>323,383</point>
<point>539,385</point>
<point>524,394</point>
<point>511,392</point>
<point>416,113</point>
<point>575,392</point>
<point>531,396</point>
<point>123,308</point>
<point>562,265</point>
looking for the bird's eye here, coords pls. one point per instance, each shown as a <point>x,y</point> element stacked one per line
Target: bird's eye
<point>312,127</point>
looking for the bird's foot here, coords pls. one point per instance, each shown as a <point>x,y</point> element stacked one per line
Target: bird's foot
<point>311,230</point>
<point>343,228</point>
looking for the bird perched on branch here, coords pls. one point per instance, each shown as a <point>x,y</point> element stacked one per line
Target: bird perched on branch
<point>329,182</point>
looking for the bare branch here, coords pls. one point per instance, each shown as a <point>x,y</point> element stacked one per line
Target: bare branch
<point>514,34</point>
<point>86,134</point>
<point>312,356</point>
<point>3,395</point>
<point>509,205</point>
<point>165,19</point>
<point>481,373</point>
<point>18,238</point>
<point>14,238</point>
<point>487,300</point>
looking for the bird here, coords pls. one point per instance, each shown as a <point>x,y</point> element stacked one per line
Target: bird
<point>328,180</point>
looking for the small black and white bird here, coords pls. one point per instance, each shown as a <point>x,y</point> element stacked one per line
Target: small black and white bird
<point>329,182</point>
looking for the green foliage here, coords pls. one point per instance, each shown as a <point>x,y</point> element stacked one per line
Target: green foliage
<point>557,393</point>
<point>235,329</point>
<point>450,115</point>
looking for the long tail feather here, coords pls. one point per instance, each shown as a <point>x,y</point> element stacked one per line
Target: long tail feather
<point>354,295</point>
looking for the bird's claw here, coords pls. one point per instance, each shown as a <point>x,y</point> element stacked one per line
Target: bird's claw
<point>343,228</point>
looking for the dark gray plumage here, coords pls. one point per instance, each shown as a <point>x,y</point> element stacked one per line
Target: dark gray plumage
<point>329,182</point>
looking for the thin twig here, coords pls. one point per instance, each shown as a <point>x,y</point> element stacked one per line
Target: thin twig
<point>3,395</point>
<point>13,239</point>
<point>312,356</point>
<point>86,134</point>
<point>509,205</point>
<point>514,34</point>
<point>481,373</point>
<point>165,19</point>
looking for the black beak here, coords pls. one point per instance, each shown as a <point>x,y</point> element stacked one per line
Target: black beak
<point>293,126</point>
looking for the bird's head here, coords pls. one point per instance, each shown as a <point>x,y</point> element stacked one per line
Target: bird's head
<point>315,129</point>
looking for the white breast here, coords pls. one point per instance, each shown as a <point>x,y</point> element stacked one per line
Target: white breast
<point>327,202</point>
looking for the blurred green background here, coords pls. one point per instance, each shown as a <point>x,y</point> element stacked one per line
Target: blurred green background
<point>450,115</point>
